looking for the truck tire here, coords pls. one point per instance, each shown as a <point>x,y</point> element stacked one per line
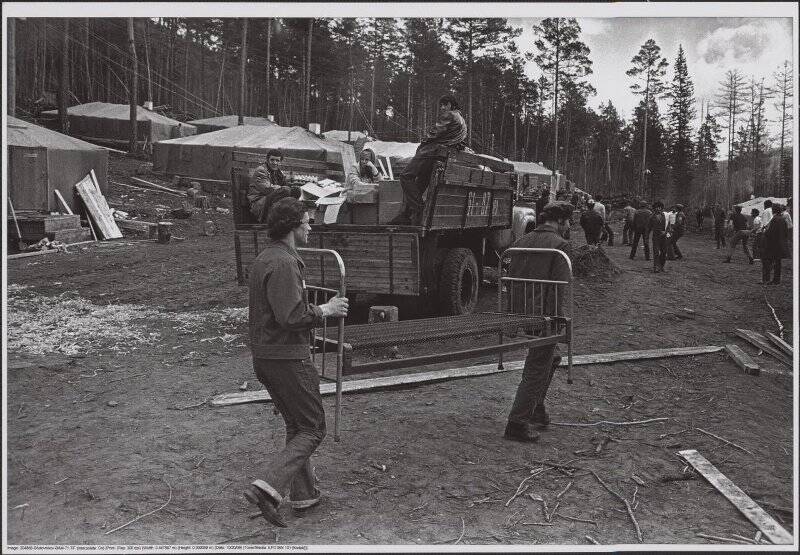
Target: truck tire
<point>458,282</point>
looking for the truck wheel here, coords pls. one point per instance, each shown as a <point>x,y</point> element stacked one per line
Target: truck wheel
<point>458,284</point>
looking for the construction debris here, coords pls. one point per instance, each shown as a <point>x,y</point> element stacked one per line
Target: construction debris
<point>592,261</point>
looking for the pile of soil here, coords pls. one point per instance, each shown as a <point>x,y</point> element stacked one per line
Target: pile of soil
<point>592,261</point>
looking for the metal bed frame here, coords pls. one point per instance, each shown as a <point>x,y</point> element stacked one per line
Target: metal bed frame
<point>537,328</point>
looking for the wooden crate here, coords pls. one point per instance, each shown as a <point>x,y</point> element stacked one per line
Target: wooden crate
<point>389,204</point>
<point>37,226</point>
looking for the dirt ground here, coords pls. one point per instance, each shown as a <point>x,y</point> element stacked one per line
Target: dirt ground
<point>113,348</point>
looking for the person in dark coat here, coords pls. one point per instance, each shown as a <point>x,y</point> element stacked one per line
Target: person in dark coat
<point>774,247</point>
<point>450,130</point>
<point>678,229</point>
<point>592,224</point>
<point>662,232</point>
<point>627,228</point>
<point>641,229</point>
<point>528,408</point>
<point>719,225</point>
<point>280,320</point>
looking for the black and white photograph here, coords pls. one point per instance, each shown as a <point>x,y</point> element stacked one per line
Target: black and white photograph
<point>399,277</point>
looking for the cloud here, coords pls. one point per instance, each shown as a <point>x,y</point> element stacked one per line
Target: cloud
<point>593,26</point>
<point>735,44</point>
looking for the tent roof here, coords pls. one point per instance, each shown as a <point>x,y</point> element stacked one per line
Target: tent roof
<point>340,135</point>
<point>389,148</point>
<point>117,111</point>
<point>758,202</point>
<point>258,136</point>
<point>530,167</point>
<point>22,133</point>
<point>232,121</point>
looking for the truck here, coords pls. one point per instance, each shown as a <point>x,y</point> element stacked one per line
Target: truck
<point>468,218</point>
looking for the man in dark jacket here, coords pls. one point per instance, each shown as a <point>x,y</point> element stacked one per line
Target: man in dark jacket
<point>280,320</point>
<point>774,247</point>
<point>592,224</point>
<point>268,185</point>
<point>740,234</point>
<point>662,232</point>
<point>450,130</point>
<point>528,408</point>
<point>641,229</point>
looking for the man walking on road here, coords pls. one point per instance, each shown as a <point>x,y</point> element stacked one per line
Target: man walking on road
<point>528,408</point>
<point>740,234</point>
<point>627,229</point>
<point>641,229</point>
<point>280,320</point>
<point>592,224</point>
<point>775,247</point>
<point>662,232</point>
<point>719,225</point>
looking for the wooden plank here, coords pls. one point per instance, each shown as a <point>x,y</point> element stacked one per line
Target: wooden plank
<point>151,229</point>
<point>780,343</point>
<point>34,253</point>
<point>749,508</point>
<point>476,159</point>
<point>262,396</point>
<point>150,185</point>
<point>98,208</point>
<point>743,360</point>
<point>759,341</point>
<point>60,198</point>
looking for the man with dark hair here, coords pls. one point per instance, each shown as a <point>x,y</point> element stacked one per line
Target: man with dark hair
<point>740,234</point>
<point>662,232</point>
<point>268,185</point>
<point>280,320</point>
<point>592,224</point>
<point>641,229</point>
<point>775,246</point>
<point>450,130</point>
<point>528,408</point>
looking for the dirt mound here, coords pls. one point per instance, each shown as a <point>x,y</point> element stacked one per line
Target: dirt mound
<point>592,261</point>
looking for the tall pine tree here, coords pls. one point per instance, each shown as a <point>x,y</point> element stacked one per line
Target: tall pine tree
<point>681,114</point>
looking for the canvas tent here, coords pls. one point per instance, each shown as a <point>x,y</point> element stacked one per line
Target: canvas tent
<point>758,202</point>
<point>41,161</point>
<point>531,176</point>
<point>340,135</point>
<point>399,154</point>
<point>208,156</point>
<point>207,125</point>
<point>111,122</point>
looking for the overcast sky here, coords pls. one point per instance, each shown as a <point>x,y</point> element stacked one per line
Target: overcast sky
<point>755,46</point>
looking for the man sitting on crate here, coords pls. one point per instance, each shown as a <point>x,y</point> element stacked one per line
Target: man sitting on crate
<point>450,130</point>
<point>280,321</point>
<point>528,408</point>
<point>268,185</point>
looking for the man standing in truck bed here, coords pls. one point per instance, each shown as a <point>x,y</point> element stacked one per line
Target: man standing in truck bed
<point>528,408</point>
<point>450,130</point>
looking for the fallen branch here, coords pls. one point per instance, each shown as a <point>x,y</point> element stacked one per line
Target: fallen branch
<point>537,523</point>
<point>576,519</point>
<point>625,501</point>
<point>721,539</point>
<point>787,510</point>
<point>463,529</point>
<point>748,540</point>
<point>725,441</point>
<point>138,518</point>
<point>520,489</point>
<point>775,316</point>
<point>565,490</point>
<point>608,423</point>
<point>203,402</point>
<point>591,539</point>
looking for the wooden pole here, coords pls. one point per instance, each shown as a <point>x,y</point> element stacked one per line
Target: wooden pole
<point>268,69</point>
<point>307,104</point>
<point>63,77</point>
<point>86,23</point>
<point>242,71</point>
<point>132,88</point>
<point>12,68</point>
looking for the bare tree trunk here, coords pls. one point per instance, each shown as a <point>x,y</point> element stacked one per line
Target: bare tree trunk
<point>64,74</point>
<point>12,67</point>
<point>555,105</point>
<point>470,62</point>
<point>147,59</point>
<point>218,103</point>
<point>86,23</point>
<point>784,90</point>
<point>268,69</point>
<point>132,88</point>
<point>372,98</point>
<point>644,136</point>
<point>186,72</point>
<point>307,106</point>
<point>242,72</point>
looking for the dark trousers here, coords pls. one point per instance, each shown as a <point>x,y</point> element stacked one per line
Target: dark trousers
<point>414,181</point>
<point>743,237</point>
<point>592,236</point>
<point>293,386</point>
<point>770,266</point>
<point>536,377</point>
<point>719,236</point>
<point>659,250</point>
<point>627,233</point>
<point>635,243</point>
<point>607,233</point>
<point>675,251</point>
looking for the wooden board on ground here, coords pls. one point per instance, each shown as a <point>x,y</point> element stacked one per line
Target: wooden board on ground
<point>148,228</point>
<point>98,208</point>
<point>156,186</point>
<point>239,398</point>
<point>780,343</point>
<point>749,508</point>
<point>758,340</point>
<point>743,360</point>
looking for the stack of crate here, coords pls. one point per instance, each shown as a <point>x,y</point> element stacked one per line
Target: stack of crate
<point>35,226</point>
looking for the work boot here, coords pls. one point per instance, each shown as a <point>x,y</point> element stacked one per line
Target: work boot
<point>265,502</point>
<point>520,432</point>
<point>540,416</point>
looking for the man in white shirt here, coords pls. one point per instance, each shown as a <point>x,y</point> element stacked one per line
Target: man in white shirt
<point>766,215</point>
<point>600,208</point>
